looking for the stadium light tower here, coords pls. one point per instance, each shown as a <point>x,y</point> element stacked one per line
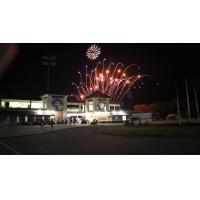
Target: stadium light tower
<point>48,61</point>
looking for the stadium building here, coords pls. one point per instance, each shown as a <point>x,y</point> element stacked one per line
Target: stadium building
<point>60,108</point>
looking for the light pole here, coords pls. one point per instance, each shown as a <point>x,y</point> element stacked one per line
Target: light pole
<point>48,61</point>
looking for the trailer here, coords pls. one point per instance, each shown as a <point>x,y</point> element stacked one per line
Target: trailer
<point>139,118</point>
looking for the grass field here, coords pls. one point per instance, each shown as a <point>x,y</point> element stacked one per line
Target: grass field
<point>154,130</point>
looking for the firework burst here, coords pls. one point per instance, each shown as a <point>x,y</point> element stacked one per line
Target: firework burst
<point>112,80</point>
<point>93,52</point>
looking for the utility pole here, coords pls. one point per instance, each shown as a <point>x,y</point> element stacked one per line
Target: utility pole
<point>188,100</point>
<point>178,105</point>
<point>48,61</point>
<point>197,106</point>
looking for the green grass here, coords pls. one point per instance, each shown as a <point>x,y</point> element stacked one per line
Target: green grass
<point>150,130</point>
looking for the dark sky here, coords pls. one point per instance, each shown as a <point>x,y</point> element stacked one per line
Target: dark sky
<point>166,63</point>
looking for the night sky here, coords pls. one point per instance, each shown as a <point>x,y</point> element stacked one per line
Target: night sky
<point>26,78</point>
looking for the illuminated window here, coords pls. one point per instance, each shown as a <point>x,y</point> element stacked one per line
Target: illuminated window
<point>90,106</point>
<point>73,108</point>
<point>3,104</point>
<point>36,105</point>
<point>19,104</point>
<point>123,118</point>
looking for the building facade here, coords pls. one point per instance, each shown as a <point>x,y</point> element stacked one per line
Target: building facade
<point>59,108</point>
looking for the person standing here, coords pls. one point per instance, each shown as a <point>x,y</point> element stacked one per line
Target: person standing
<point>41,124</point>
<point>52,123</point>
<point>66,121</point>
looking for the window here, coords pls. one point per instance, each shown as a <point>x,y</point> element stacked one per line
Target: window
<point>19,104</point>
<point>36,105</point>
<point>111,108</point>
<point>90,105</point>
<point>73,108</point>
<point>2,104</point>
<point>117,108</point>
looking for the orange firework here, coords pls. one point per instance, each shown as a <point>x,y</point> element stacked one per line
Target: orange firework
<point>112,80</point>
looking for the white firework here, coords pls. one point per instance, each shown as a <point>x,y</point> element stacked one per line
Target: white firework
<point>93,52</point>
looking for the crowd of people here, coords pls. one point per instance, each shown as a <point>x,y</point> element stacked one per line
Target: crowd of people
<point>73,120</point>
<point>67,121</point>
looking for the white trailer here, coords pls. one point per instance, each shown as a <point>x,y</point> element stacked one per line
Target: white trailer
<point>141,118</point>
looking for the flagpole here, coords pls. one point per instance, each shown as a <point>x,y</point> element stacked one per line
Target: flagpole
<point>197,106</point>
<point>188,101</point>
<point>178,105</point>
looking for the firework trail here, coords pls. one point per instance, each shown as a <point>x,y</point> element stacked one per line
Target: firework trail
<point>112,80</point>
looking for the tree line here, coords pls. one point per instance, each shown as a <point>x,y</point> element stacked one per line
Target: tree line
<point>161,110</point>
